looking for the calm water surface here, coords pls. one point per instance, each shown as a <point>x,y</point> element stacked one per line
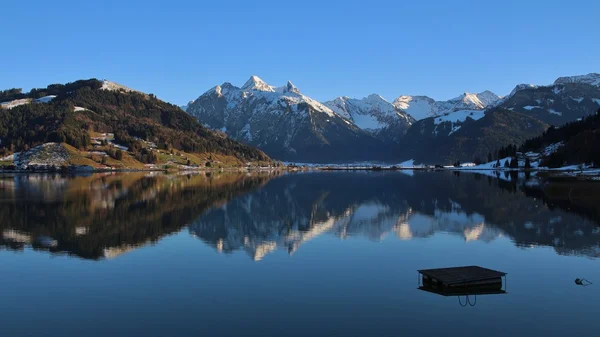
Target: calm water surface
<point>315,254</point>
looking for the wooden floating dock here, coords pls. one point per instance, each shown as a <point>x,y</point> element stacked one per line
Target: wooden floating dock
<point>462,280</point>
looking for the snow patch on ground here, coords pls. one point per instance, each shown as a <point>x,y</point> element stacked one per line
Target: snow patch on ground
<point>23,101</point>
<point>112,86</point>
<point>45,99</point>
<point>552,148</point>
<point>45,155</point>
<point>577,99</point>
<point>554,112</point>
<point>454,129</point>
<point>459,116</point>
<point>15,103</point>
<point>531,107</point>
<point>110,139</point>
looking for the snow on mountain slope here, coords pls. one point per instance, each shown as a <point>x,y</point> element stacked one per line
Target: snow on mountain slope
<point>112,86</point>
<point>256,83</point>
<point>280,120</point>
<point>418,107</point>
<point>373,114</point>
<point>517,88</point>
<point>567,99</point>
<point>17,102</point>
<point>459,116</point>
<point>45,99</point>
<point>591,78</point>
<point>421,107</point>
<point>486,98</point>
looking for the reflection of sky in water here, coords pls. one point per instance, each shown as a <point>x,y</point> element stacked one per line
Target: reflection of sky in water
<point>326,259</point>
<point>349,287</point>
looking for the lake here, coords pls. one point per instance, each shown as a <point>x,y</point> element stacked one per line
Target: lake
<point>306,254</point>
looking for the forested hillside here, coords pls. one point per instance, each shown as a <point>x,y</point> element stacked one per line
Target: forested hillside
<point>70,113</point>
<point>576,143</point>
<point>473,141</point>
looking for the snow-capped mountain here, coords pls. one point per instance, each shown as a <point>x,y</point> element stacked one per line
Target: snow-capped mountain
<point>591,79</point>
<point>374,115</point>
<point>421,107</point>
<point>567,99</point>
<point>283,122</point>
<point>466,135</point>
<point>290,126</point>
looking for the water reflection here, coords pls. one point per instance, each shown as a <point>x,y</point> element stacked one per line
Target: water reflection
<point>102,216</point>
<point>294,209</point>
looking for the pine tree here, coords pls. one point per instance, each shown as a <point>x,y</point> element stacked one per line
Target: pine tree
<point>527,163</point>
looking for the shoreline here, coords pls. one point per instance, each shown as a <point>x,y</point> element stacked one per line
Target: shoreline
<point>552,173</point>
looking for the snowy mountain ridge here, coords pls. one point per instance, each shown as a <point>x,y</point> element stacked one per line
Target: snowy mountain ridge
<point>591,78</point>
<point>421,107</point>
<point>293,127</point>
<point>373,114</point>
<point>280,120</point>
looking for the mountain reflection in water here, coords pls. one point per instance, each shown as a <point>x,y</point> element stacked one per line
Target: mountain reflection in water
<point>102,216</point>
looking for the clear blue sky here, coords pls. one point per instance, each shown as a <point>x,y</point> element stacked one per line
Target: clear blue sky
<point>178,50</point>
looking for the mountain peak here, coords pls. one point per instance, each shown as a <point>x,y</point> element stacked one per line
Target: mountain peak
<point>256,83</point>
<point>290,87</point>
<point>376,98</point>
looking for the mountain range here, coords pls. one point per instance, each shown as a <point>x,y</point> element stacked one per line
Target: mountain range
<point>93,119</point>
<point>421,107</point>
<point>290,126</point>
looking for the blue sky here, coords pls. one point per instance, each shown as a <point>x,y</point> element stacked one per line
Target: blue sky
<point>178,50</point>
